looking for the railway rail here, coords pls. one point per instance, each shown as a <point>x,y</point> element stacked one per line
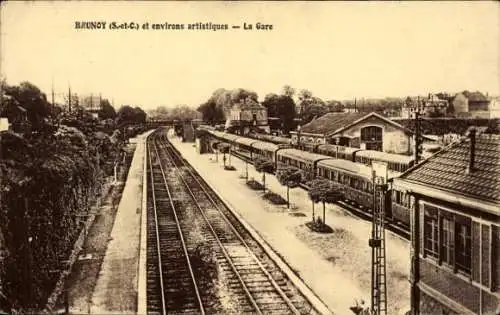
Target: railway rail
<point>186,218</point>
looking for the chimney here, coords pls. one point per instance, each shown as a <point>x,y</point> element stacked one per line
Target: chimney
<point>472,153</point>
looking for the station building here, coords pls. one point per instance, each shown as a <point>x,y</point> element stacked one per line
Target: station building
<point>359,130</point>
<point>453,200</point>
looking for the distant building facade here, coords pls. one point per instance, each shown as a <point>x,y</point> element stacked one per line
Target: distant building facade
<point>471,104</point>
<point>433,105</point>
<point>246,116</point>
<point>91,104</point>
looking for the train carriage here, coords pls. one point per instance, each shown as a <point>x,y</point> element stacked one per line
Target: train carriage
<point>354,178</point>
<point>243,147</point>
<point>395,162</point>
<point>337,151</point>
<point>303,160</point>
<point>265,149</point>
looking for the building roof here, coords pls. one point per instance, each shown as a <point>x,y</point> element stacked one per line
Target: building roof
<point>446,171</point>
<point>332,123</point>
<point>475,96</point>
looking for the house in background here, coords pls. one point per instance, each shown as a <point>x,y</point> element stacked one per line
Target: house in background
<point>432,106</point>
<point>16,115</point>
<point>91,104</point>
<point>471,104</point>
<point>246,116</point>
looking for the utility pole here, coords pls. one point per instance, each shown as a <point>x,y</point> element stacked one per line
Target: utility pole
<point>69,98</point>
<point>418,137</point>
<point>53,104</point>
<point>377,243</point>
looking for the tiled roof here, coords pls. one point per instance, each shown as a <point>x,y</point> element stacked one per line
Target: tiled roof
<point>475,96</point>
<point>447,169</point>
<point>331,122</point>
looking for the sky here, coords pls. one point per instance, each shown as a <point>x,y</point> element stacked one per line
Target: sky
<point>337,50</point>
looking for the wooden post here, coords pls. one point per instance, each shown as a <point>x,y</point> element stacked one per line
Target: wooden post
<point>415,253</point>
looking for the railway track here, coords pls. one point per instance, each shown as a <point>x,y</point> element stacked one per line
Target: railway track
<point>186,218</point>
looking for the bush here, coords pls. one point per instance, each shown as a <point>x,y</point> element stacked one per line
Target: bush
<point>45,182</point>
<point>255,185</point>
<point>319,227</point>
<point>229,168</point>
<point>274,198</point>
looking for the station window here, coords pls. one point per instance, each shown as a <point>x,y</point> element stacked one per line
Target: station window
<point>431,234</point>
<point>463,246</point>
<point>447,243</point>
<point>448,238</point>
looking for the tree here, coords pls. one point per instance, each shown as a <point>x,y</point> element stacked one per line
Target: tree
<point>310,106</point>
<point>290,177</point>
<point>129,115</point>
<point>288,91</point>
<point>263,165</point>
<point>140,115</point>
<point>219,105</point>
<point>283,107</point>
<point>29,96</point>
<point>325,191</point>
<point>210,112</point>
<point>107,111</point>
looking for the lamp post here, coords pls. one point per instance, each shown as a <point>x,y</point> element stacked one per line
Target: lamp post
<point>298,135</point>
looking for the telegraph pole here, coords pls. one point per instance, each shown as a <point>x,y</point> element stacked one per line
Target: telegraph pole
<point>418,137</point>
<point>53,104</point>
<point>377,243</point>
<point>69,98</point>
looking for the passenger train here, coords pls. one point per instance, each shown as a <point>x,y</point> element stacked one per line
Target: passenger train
<point>354,177</point>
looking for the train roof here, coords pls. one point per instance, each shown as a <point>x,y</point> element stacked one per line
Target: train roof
<point>231,137</point>
<point>354,168</point>
<point>263,145</point>
<point>333,148</point>
<point>223,135</point>
<point>302,155</point>
<point>245,141</point>
<point>216,133</point>
<point>387,157</point>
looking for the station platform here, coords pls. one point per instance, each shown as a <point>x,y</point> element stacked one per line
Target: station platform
<point>117,285</point>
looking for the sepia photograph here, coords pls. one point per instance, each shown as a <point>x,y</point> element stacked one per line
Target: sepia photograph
<point>250,157</point>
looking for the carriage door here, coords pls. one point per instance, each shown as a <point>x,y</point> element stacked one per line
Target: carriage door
<point>372,138</point>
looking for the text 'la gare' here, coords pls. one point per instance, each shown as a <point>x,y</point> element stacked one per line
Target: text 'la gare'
<point>258,26</point>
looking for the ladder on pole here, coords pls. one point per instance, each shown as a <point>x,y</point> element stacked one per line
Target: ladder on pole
<point>377,243</point>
